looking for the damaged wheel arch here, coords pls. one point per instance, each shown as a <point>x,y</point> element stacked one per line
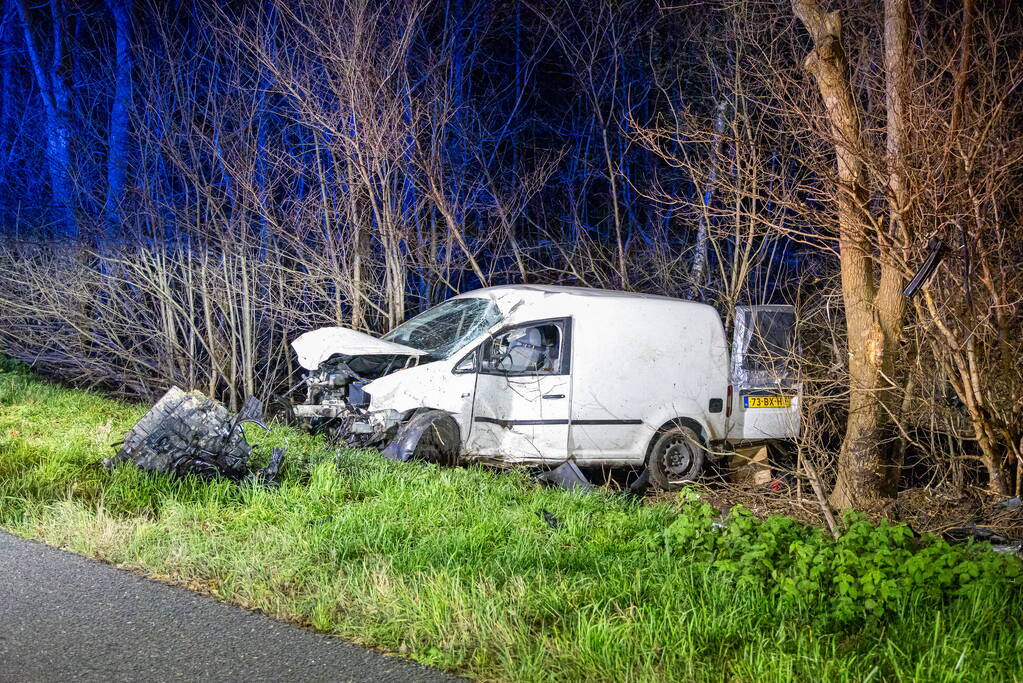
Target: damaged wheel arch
<point>429,435</point>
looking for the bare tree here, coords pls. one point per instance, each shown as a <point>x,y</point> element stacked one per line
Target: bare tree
<point>874,306</point>
<point>53,80</point>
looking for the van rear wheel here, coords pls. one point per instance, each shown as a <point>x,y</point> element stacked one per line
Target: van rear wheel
<point>676,457</point>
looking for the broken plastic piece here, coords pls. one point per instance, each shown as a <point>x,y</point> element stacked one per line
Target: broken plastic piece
<point>1011,548</point>
<point>935,253</point>
<point>268,475</point>
<point>251,411</point>
<point>567,475</point>
<point>639,486</point>
<point>552,521</point>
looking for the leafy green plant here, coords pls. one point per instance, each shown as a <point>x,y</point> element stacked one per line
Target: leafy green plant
<point>847,583</point>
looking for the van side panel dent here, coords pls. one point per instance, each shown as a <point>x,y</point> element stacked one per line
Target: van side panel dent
<point>432,385</point>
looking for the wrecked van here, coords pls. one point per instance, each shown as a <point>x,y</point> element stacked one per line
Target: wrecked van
<point>539,375</point>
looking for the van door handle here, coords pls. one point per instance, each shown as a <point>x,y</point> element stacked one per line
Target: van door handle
<point>466,395</point>
<point>553,396</point>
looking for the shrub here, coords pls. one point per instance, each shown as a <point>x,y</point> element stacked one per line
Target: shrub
<point>846,583</point>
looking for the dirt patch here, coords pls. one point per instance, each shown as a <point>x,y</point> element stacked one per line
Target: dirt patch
<point>951,513</point>
<point>955,515</point>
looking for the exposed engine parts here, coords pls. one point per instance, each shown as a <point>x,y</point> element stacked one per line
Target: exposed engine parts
<point>336,402</point>
<point>189,433</point>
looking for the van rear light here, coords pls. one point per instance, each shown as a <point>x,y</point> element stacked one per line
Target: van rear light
<point>728,401</point>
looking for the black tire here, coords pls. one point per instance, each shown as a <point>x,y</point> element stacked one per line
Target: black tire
<point>429,436</point>
<point>434,445</point>
<point>676,457</point>
<point>280,411</point>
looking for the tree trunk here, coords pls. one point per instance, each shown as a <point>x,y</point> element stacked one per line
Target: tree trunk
<point>56,96</point>
<point>873,316</point>
<point>700,258</point>
<point>891,304</point>
<point>7,66</point>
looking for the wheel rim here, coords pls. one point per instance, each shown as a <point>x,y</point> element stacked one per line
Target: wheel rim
<point>678,459</point>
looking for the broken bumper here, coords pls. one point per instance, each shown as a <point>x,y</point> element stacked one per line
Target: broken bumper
<point>303,410</point>
<point>369,427</point>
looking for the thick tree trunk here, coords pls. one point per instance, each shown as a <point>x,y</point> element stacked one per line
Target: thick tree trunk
<point>873,314</point>
<point>891,304</point>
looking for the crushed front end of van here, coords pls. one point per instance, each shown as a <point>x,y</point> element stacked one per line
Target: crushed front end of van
<point>341,363</point>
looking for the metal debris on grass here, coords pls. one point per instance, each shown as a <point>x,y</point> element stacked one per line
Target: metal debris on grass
<point>189,433</point>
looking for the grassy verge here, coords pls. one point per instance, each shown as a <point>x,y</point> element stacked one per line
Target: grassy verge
<point>457,568</point>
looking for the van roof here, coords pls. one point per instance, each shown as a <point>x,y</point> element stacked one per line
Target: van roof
<point>505,294</point>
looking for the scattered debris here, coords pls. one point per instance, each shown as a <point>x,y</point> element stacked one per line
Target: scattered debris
<point>977,532</point>
<point>935,253</point>
<point>567,475</point>
<point>1012,548</point>
<point>552,521</point>
<point>959,515</point>
<point>189,433</point>
<point>751,467</point>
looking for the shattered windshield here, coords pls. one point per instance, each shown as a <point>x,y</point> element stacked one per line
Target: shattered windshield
<point>446,328</point>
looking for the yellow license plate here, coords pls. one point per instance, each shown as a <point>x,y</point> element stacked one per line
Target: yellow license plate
<point>767,401</point>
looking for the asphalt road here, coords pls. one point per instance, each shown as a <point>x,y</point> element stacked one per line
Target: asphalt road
<point>65,617</point>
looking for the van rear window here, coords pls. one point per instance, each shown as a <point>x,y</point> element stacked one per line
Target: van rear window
<point>771,341</point>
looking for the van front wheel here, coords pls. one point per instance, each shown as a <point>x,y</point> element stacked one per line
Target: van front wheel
<point>430,436</point>
<point>676,457</point>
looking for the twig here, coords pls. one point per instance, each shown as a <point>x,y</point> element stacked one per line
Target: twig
<point>815,482</point>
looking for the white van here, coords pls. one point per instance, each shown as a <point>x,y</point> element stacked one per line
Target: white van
<point>539,374</point>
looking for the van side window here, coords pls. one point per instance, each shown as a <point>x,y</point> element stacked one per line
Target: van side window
<point>530,349</point>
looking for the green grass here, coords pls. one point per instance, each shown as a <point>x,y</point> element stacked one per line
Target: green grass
<point>457,569</point>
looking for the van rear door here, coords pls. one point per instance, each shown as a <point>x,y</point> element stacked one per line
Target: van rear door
<point>766,392</point>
